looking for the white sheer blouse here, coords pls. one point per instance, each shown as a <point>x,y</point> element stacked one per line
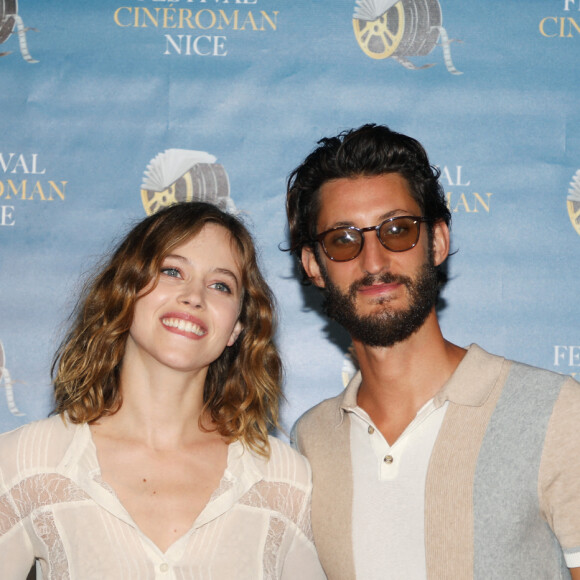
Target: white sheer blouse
<point>55,507</point>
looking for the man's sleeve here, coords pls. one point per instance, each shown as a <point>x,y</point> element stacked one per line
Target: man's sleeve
<point>294,437</point>
<point>559,478</point>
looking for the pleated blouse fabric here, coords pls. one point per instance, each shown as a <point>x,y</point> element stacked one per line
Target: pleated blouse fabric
<point>54,507</point>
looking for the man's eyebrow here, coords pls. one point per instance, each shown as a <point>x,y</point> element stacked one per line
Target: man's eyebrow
<point>396,213</point>
<point>381,218</point>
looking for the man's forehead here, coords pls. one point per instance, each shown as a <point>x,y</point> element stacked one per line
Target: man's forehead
<point>386,182</point>
<point>346,199</point>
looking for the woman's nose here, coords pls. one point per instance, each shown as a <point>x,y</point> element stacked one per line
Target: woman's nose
<point>193,295</point>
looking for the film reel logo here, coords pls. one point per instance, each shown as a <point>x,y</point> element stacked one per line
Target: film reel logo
<point>399,29</point>
<point>574,201</point>
<point>185,175</point>
<point>10,20</point>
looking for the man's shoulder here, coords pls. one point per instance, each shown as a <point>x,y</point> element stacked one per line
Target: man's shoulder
<point>539,378</point>
<point>317,425</point>
<point>323,411</point>
<point>543,372</point>
<point>567,408</point>
<point>498,369</point>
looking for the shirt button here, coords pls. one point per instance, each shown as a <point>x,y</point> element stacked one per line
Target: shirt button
<point>388,459</point>
<point>164,567</point>
<point>371,429</point>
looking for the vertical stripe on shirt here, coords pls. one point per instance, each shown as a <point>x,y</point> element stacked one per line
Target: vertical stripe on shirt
<point>505,502</point>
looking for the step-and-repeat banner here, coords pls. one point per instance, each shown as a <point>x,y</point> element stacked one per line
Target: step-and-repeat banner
<point>112,109</point>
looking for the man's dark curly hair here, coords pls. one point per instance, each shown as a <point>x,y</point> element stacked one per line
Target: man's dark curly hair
<point>370,150</point>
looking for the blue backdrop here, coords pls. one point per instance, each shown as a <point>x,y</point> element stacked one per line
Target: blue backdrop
<point>92,93</point>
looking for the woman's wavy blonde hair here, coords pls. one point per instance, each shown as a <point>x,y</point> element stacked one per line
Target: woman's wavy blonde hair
<point>242,389</point>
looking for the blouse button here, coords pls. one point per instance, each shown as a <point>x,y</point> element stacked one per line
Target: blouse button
<point>388,459</point>
<point>164,567</point>
<point>371,429</point>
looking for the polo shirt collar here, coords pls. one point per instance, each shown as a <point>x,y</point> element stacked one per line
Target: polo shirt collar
<point>349,395</point>
<point>470,384</point>
<point>473,380</point>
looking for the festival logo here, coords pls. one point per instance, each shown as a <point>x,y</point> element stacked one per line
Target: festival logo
<point>566,25</point>
<point>461,195</point>
<point>574,201</point>
<point>185,175</point>
<point>24,179</point>
<point>567,356</point>
<point>399,29</point>
<point>11,21</point>
<point>197,31</point>
<point>6,382</point>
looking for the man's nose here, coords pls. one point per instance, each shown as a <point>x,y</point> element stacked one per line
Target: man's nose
<point>374,258</point>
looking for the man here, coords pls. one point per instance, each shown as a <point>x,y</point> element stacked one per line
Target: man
<point>435,462</point>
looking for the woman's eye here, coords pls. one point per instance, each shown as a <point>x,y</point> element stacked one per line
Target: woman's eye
<point>173,272</point>
<point>222,287</point>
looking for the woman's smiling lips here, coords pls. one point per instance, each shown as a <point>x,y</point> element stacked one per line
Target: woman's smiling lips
<point>184,324</point>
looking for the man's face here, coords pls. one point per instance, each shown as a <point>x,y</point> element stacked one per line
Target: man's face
<point>380,297</point>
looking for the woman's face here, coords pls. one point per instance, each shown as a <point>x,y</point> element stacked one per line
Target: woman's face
<point>192,314</point>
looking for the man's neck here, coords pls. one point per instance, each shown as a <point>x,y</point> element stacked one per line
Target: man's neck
<point>398,380</point>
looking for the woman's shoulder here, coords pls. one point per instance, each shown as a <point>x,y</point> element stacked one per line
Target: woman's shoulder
<point>283,484</point>
<point>286,464</point>
<point>39,445</point>
<point>54,426</point>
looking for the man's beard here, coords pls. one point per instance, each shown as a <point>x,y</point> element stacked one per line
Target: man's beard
<point>385,327</point>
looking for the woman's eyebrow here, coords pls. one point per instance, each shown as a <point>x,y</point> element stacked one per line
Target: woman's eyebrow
<point>229,273</point>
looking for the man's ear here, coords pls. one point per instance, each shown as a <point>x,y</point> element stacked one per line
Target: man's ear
<point>312,267</point>
<point>441,242</point>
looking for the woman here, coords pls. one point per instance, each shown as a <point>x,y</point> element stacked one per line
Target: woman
<point>158,462</point>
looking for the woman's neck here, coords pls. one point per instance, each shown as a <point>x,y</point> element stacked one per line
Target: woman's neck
<point>160,407</point>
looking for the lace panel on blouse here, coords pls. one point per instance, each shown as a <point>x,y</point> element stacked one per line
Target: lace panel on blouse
<point>28,498</point>
<point>287,504</point>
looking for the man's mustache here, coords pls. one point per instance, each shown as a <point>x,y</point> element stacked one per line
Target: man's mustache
<point>370,279</point>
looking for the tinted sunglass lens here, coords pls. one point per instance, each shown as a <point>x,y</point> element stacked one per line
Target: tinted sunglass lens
<point>342,244</point>
<point>399,234</point>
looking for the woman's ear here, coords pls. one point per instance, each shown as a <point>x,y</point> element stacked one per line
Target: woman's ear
<point>235,333</point>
